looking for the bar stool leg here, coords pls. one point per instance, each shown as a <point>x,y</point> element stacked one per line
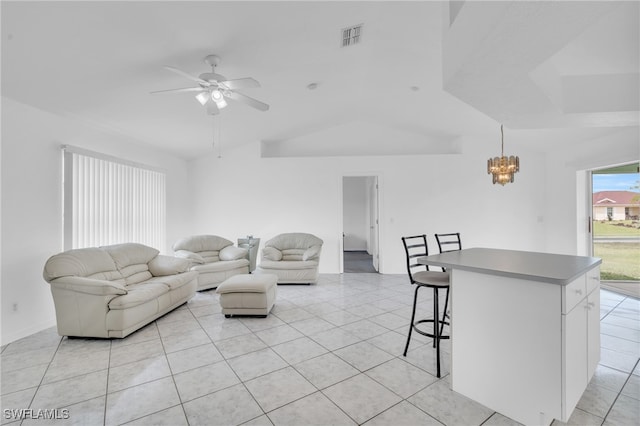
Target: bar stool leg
<point>444,313</point>
<point>413,316</point>
<point>436,330</point>
<point>435,314</point>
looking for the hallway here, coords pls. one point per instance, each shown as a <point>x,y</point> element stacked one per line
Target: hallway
<point>358,261</point>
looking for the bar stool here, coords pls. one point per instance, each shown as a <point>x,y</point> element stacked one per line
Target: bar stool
<point>449,242</point>
<point>446,243</point>
<point>416,246</point>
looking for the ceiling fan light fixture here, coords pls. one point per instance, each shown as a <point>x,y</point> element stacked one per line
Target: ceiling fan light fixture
<point>203,98</point>
<point>213,89</point>
<point>218,98</point>
<point>216,95</point>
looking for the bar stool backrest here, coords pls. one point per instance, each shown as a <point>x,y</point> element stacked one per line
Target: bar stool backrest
<point>415,247</point>
<point>449,242</point>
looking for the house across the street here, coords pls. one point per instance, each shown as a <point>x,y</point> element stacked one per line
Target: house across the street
<point>616,205</point>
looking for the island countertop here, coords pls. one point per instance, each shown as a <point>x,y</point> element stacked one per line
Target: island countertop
<point>551,268</point>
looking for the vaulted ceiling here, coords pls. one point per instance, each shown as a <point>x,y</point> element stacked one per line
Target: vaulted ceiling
<point>424,75</point>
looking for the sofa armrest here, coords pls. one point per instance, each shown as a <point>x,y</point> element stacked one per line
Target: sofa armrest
<point>161,265</point>
<point>89,286</point>
<point>312,253</point>
<point>271,253</point>
<point>195,258</point>
<point>233,253</point>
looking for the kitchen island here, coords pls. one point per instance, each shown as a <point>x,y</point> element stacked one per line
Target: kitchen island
<point>525,329</point>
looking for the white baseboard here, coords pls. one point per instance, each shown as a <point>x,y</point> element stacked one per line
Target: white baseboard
<point>19,334</point>
<point>628,288</point>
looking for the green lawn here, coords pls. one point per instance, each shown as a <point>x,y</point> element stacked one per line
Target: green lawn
<point>620,261</point>
<point>616,228</point>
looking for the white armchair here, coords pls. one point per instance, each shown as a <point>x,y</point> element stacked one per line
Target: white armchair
<point>213,257</point>
<point>293,257</point>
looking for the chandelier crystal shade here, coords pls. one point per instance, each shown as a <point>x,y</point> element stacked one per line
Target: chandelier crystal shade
<point>503,168</point>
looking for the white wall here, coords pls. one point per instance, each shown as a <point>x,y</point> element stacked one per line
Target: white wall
<point>355,213</point>
<point>567,200</point>
<point>32,200</point>
<point>242,193</point>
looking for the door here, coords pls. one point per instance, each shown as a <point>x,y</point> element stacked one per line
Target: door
<point>615,226</point>
<point>360,224</point>
<point>374,221</point>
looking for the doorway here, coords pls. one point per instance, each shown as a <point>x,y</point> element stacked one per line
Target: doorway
<point>615,226</point>
<point>360,222</point>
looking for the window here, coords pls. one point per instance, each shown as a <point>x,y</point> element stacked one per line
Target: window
<point>609,213</point>
<point>110,201</point>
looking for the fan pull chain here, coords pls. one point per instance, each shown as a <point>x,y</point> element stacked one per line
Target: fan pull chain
<point>213,133</point>
<point>219,136</point>
<point>215,119</point>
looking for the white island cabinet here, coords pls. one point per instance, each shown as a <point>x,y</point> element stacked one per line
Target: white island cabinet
<point>525,329</point>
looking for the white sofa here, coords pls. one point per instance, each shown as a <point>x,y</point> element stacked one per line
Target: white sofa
<point>112,291</point>
<point>213,257</point>
<point>293,257</point>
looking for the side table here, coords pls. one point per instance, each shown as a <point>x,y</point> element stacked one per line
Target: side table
<point>251,244</point>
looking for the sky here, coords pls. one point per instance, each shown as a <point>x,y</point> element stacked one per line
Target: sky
<point>616,182</point>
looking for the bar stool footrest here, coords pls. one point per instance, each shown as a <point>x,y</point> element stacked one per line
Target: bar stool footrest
<point>424,333</point>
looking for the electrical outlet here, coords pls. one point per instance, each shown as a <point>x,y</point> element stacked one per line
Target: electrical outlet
<point>15,307</point>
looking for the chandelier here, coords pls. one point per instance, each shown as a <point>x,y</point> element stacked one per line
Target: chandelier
<point>503,168</point>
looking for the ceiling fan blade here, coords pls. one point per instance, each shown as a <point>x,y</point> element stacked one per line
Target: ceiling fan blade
<point>212,108</point>
<point>186,89</point>
<point>247,100</point>
<point>240,83</point>
<point>184,74</point>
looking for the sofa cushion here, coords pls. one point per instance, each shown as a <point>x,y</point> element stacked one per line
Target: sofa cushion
<point>135,274</point>
<point>189,255</point>
<point>210,256</point>
<point>311,253</point>
<point>220,266</point>
<point>289,264</point>
<point>161,265</point>
<point>131,260</point>
<point>87,262</point>
<point>174,281</point>
<point>254,283</point>
<point>130,254</point>
<point>293,240</point>
<point>199,243</point>
<point>138,294</point>
<point>271,253</point>
<point>233,253</point>
<point>292,254</point>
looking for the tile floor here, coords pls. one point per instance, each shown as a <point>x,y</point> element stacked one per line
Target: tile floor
<point>328,354</point>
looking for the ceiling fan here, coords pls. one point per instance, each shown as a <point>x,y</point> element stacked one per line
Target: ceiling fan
<point>214,89</point>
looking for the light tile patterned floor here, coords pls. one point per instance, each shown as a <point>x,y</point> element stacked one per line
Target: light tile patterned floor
<point>328,354</point>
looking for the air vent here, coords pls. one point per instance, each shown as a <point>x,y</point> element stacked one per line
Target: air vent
<point>351,35</point>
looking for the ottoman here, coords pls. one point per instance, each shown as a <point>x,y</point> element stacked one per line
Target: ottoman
<point>248,294</point>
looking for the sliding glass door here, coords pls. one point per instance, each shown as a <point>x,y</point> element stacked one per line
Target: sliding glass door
<point>616,226</point>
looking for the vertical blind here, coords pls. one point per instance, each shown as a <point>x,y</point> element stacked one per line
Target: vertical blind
<point>111,201</point>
